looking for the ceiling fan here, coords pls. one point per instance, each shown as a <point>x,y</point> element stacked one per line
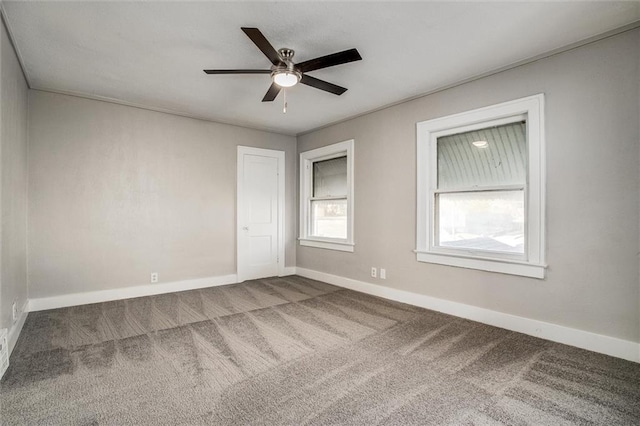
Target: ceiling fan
<point>286,73</point>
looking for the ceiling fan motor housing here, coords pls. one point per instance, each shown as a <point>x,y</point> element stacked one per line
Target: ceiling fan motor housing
<point>287,64</point>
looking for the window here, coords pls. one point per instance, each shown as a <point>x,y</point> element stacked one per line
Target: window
<point>481,189</point>
<point>326,197</point>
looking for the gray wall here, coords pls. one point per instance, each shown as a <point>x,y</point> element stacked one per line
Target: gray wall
<point>592,108</point>
<point>13,187</point>
<point>118,192</point>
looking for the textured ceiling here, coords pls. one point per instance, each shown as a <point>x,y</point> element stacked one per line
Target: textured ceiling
<point>152,54</point>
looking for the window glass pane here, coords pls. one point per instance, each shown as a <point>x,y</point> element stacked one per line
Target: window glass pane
<point>498,157</point>
<point>329,218</point>
<point>330,177</point>
<point>486,220</point>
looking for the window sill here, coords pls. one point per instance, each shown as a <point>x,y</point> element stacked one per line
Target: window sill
<point>327,245</point>
<point>492,265</point>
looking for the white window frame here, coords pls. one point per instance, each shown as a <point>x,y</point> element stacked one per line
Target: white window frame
<point>307,159</point>
<point>532,263</point>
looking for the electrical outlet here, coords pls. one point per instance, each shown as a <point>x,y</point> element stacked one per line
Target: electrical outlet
<point>374,272</point>
<point>154,277</point>
<point>383,274</point>
<point>14,311</point>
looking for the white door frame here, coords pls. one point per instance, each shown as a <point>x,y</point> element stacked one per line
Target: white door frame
<point>272,153</point>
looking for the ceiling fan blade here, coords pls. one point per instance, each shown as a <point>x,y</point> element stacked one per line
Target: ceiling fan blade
<point>271,94</point>
<point>329,60</point>
<point>237,71</point>
<point>263,44</point>
<point>322,85</point>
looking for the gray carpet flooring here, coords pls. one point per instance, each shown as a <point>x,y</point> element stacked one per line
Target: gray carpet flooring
<point>293,351</point>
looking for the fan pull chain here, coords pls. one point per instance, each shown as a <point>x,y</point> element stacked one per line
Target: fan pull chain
<point>284,110</point>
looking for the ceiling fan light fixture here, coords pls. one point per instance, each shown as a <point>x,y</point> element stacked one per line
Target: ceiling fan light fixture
<point>286,73</point>
<point>286,78</point>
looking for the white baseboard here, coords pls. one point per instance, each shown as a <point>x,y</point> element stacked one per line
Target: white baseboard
<point>288,270</point>
<point>16,329</point>
<point>76,299</point>
<point>569,336</point>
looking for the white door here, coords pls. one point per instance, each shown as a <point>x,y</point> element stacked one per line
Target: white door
<point>260,215</point>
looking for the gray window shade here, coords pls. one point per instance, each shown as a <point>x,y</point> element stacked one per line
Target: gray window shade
<point>330,177</point>
<point>502,162</point>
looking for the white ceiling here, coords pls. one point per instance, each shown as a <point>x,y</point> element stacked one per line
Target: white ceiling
<point>152,53</point>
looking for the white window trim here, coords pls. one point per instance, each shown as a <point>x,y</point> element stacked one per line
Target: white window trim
<point>533,263</point>
<point>306,189</point>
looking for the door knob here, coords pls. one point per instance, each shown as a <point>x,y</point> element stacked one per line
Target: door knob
<point>245,228</point>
